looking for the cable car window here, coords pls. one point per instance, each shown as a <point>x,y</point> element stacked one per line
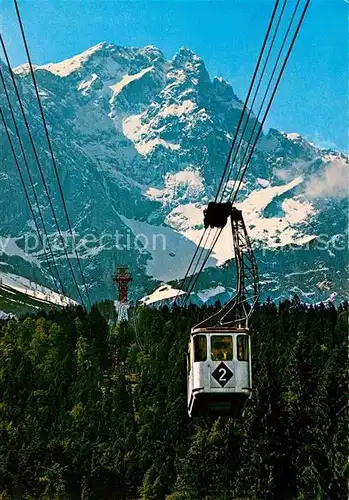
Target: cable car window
<point>200,348</point>
<point>242,341</point>
<point>221,348</point>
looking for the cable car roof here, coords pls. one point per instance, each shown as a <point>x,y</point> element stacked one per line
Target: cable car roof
<point>219,329</point>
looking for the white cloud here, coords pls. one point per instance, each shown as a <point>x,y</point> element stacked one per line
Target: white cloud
<point>283,174</point>
<point>333,181</point>
<point>298,167</point>
<point>321,142</point>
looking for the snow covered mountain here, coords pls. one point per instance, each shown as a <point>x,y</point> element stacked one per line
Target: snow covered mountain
<point>140,143</point>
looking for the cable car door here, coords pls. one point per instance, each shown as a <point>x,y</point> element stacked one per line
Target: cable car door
<point>221,362</point>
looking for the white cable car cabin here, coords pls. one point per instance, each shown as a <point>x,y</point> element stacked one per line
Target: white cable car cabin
<point>219,370</point>
<point>219,356</point>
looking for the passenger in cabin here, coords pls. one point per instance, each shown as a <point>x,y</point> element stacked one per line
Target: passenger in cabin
<point>221,348</point>
<point>218,354</point>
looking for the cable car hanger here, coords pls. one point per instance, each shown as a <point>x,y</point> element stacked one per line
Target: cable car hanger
<point>240,307</point>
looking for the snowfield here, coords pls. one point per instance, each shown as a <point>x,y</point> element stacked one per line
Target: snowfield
<point>34,290</point>
<point>168,249</point>
<point>163,293</point>
<point>126,80</point>
<point>274,232</point>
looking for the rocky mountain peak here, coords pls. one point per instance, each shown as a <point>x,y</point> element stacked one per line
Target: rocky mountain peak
<point>153,53</point>
<point>187,60</point>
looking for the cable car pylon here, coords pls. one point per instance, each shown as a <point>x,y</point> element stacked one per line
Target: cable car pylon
<point>219,352</point>
<point>122,278</point>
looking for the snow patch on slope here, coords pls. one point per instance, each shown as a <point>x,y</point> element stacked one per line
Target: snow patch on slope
<point>66,67</point>
<point>169,250</point>
<point>293,136</point>
<point>145,136</point>
<point>272,232</point>
<point>146,147</point>
<point>297,211</point>
<point>185,184</point>
<point>185,217</point>
<point>205,295</point>
<point>34,290</point>
<point>8,246</point>
<point>164,292</point>
<point>179,109</point>
<point>117,87</point>
<point>86,84</point>
<point>263,182</point>
<point>137,133</point>
<point>259,199</point>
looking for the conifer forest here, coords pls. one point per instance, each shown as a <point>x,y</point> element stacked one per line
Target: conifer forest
<point>90,410</point>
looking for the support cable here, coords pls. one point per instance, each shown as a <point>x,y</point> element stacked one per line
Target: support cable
<point>248,96</point>
<point>257,137</point>
<point>19,99</point>
<point>198,246</point>
<point>25,191</point>
<point>202,248</point>
<point>50,146</point>
<point>253,101</point>
<point>245,125</point>
<point>231,196</point>
<point>56,275</point>
<point>234,141</point>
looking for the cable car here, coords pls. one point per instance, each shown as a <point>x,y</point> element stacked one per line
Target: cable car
<point>219,370</point>
<point>219,355</point>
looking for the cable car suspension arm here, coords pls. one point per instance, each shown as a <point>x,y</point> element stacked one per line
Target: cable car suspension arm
<point>238,310</point>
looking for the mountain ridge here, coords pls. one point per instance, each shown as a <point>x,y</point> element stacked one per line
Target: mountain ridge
<point>140,143</point>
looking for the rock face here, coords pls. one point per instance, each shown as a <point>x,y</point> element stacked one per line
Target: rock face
<point>140,144</point>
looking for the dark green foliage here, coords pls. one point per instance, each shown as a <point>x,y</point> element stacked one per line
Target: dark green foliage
<point>89,411</point>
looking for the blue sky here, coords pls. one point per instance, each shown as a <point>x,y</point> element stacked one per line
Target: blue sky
<point>227,34</point>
